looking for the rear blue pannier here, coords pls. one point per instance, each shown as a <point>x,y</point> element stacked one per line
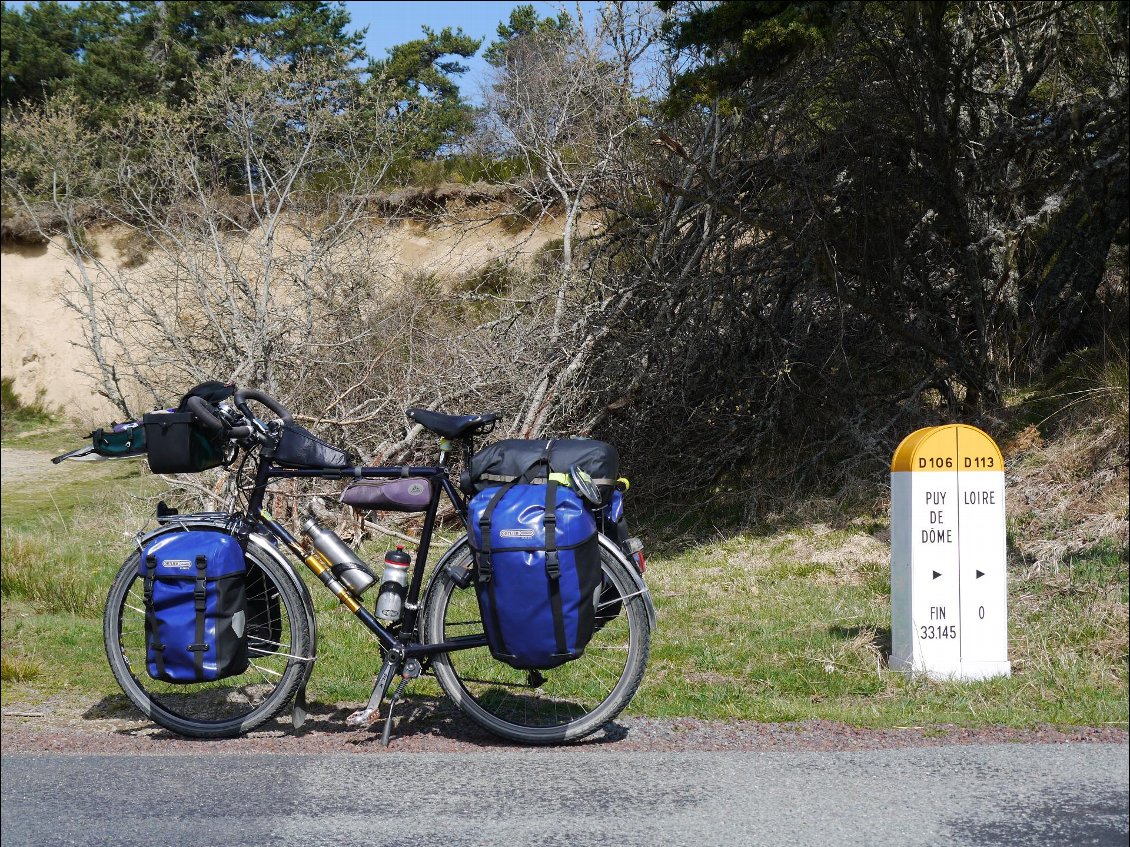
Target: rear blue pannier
<point>195,607</point>
<point>539,574</point>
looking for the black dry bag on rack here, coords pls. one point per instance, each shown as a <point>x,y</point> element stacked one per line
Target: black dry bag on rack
<point>511,458</point>
<point>539,573</point>
<point>195,607</point>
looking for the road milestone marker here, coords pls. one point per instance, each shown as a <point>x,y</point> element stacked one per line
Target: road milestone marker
<point>949,591</point>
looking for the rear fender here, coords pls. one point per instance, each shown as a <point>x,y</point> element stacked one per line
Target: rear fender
<point>613,549</point>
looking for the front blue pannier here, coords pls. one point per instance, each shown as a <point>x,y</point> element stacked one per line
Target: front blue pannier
<point>195,607</point>
<point>539,574</point>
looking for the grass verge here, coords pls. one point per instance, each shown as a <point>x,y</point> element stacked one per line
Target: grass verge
<point>782,625</point>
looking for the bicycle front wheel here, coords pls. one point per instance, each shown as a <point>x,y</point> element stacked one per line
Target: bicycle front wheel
<point>279,643</point>
<point>542,707</point>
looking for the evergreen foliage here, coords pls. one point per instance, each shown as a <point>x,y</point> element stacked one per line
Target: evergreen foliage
<point>113,53</point>
<point>423,79</point>
<point>524,21</point>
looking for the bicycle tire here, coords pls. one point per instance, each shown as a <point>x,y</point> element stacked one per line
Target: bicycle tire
<point>228,707</point>
<point>555,706</point>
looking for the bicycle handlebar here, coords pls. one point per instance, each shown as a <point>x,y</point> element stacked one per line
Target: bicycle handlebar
<point>245,394</point>
<point>199,408</point>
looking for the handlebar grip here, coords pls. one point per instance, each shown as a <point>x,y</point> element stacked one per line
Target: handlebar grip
<point>199,408</point>
<point>245,394</point>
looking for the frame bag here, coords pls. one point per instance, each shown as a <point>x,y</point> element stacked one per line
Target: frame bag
<point>539,575</point>
<point>300,448</point>
<point>195,607</point>
<point>410,494</point>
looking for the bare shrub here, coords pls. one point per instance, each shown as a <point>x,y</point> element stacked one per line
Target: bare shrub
<point>251,275</point>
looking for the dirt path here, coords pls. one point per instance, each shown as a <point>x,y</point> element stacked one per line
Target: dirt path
<point>78,724</point>
<point>20,466</point>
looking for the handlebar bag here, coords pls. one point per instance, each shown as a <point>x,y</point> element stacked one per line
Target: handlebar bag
<point>213,392</point>
<point>538,572</point>
<point>195,607</point>
<point>300,448</point>
<point>177,443</point>
<point>409,494</point>
<point>508,459</point>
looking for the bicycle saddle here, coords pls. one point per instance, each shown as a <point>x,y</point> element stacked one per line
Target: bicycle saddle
<point>453,426</point>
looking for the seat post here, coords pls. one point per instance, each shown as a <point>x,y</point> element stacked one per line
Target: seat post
<point>445,447</point>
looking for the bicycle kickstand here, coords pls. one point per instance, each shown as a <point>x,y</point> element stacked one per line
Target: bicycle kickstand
<point>412,670</point>
<point>371,712</point>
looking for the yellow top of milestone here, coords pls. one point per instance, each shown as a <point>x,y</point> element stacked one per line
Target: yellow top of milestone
<point>953,447</point>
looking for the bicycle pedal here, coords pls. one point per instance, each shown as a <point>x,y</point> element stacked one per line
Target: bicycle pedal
<point>363,717</point>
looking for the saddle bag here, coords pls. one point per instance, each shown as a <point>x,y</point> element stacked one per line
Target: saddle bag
<point>195,607</point>
<point>538,572</point>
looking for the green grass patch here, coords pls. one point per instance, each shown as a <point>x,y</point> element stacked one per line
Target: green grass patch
<point>17,415</point>
<point>18,668</point>
<point>796,625</point>
<point>65,533</point>
<point>775,625</point>
<point>64,651</point>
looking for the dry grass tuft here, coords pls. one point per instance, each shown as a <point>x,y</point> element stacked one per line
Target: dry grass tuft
<point>18,668</point>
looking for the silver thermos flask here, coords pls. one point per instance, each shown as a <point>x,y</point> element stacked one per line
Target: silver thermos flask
<point>344,563</point>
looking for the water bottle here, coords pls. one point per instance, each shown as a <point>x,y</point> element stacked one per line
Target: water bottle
<point>394,582</point>
<point>344,563</point>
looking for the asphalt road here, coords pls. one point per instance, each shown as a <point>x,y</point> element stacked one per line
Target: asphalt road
<point>989,795</point>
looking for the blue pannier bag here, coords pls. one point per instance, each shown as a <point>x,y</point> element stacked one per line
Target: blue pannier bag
<point>195,607</point>
<point>539,575</point>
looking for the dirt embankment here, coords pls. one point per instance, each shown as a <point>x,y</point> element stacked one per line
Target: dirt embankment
<point>42,339</point>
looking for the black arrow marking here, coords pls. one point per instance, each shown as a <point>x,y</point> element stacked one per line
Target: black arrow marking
<point>980,574</point>
<point>936,574</point>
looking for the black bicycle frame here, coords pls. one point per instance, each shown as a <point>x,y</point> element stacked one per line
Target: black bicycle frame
<point>440,482</point>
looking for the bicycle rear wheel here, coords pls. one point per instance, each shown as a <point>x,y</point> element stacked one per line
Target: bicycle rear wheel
<point>279,643</point>
<point>542,707</point>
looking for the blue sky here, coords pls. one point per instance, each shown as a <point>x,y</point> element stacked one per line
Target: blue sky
<point>392,23</point>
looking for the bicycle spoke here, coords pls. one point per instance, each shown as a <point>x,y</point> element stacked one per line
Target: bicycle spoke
<point>574,697</point>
